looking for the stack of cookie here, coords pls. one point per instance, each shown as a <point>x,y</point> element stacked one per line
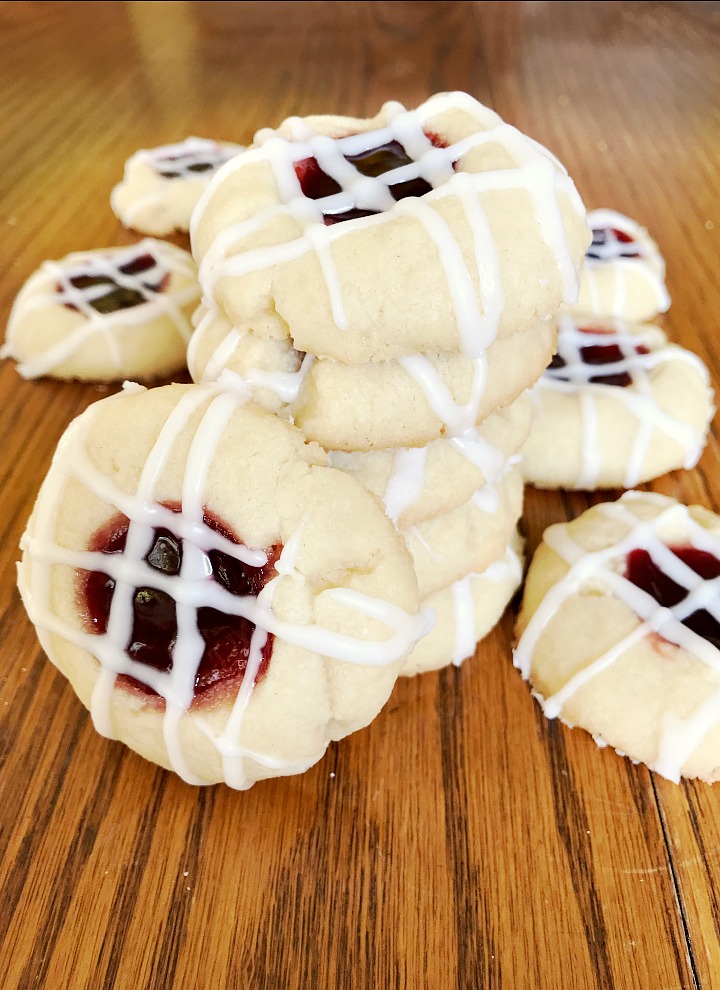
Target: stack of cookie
<point>389,285</point>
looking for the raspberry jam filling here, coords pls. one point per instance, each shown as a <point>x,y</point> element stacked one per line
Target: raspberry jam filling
<point>600,354</point>
<point>178,166</point>
<point>374,162</point>
<point>643,572</point>
<point>116,296</point>
<point>609,243</point>
<point>154,616</point>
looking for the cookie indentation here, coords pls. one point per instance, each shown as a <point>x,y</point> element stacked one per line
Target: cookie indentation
<point>609,243</point>
<point>108,290</point>
<point>153,633</point>
<point>645,573</point>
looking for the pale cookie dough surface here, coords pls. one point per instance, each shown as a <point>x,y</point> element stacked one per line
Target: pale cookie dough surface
<point>65,322</point>
<point>419,483</point>
<point>467,539</point>
<point>340,601</point>
<point>415,400</point>
<point>161,186</point>
<point>623,274</point>
<point>492,245</point>
<point>619,406</point>
<point>601,653</point>
<point>466,612</point>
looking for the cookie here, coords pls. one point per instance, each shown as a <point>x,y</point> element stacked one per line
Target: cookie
<point>620,632</point>
<point>161,186</point>
<point>415,400</point>
<point>222,602</point>
<point>618,405</point>
<point>623,274</point>
<point>105,315</point>
<point>405,403</point>
<point>420,231</point>
<point>419,483</point>
<point>465,613</point>
<point>467,539</point>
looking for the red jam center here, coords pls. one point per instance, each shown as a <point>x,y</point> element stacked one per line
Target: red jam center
<point>600,354</point>
<point>374,162</point>
<point>643,572</point>
<point>178,166</point>
<point>609,243</point>
<point>155,629</point>
<point>117,296</point>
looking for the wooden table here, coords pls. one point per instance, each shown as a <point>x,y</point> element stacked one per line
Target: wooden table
<point>462,840</point>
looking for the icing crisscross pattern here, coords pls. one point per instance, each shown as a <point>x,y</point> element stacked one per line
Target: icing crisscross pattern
<point>192,588</point>
<point>534,171</point>
<point>640,354</point>
<point>139,276</point>
<point>679,737</point>
<point>188,159</point>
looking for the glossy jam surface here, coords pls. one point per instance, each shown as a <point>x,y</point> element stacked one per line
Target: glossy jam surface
<point>598,355</point>
<point>609,243</point>
<point>154,626</point>
<point>643,572</point>
<point>117,296</point>
<point>374,162</point>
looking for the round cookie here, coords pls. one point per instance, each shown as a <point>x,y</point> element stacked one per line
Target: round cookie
<point>419,483</point>
<point>418,231</point>
<point>467,539</point>
<point>466,612</point>
<point>623,274</point>
<point>105,315</point>
<point>617,406</point>
<point>161,186</point>
<point>620,633</point>
<point>223,603</point>
<point>405,403</point>
<point>415,400</point>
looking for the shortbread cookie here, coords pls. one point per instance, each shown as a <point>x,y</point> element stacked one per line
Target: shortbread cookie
<point>403,403</point>
<point>468,539</point>
<point>221,601</point>
<point>623,274</point>
<point>418,231</point>
<point>465,613</point>
<point>105,315</point>
<point>419,483</point>
<point>617,406</point>
<point>161,186</point>
<point>414,400</point>
<point>620,631</point>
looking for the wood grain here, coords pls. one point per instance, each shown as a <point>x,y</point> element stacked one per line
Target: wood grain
<point>461,841</point>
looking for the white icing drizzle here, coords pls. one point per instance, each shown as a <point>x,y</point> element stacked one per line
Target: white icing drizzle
<point>458,419</point>
<point>192,588</point>
<point>678,738</point>
<point>507,568</point>
<point>51,286</point>
<point>649,266</point>
<point>574,379</point>
<point>535,171</point>
<point>406,482</point>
